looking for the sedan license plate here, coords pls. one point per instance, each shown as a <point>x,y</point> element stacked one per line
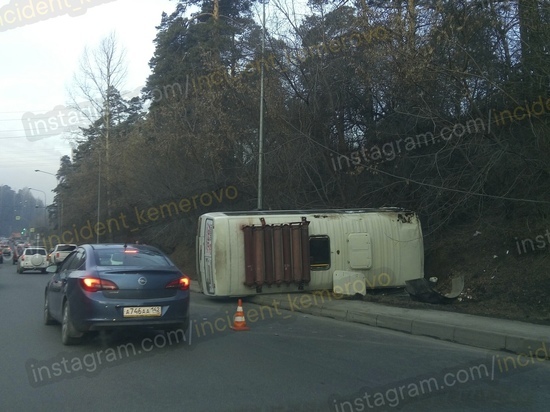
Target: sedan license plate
<point>141,311</point>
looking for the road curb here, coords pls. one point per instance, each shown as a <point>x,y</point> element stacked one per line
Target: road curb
<point>470,330</point>
<point>476,331</point>
<point>433,329</point>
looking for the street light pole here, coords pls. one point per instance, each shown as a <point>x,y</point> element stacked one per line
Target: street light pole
<point>45,210</point>
<point>261,131</point>
<point>59,206</point>
<point>98,195</point>
<point>48,173</point>
<point>44,193</point>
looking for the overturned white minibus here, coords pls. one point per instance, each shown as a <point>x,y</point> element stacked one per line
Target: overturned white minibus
<point>346,251</point>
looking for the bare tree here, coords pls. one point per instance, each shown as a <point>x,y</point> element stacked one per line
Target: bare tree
<point>101,73</point>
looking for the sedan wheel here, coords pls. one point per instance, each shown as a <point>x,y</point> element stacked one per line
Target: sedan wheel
<point>48,320</point>
<point>69,336</point>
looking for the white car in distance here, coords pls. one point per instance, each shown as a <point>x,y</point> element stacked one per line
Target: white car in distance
<point>33,258</point>
<point>60,252</point>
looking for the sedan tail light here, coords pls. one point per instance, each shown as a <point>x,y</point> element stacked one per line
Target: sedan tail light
<point>91,284</point>
<point>180,283</point>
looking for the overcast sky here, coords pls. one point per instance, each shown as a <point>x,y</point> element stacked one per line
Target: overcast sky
<point>40,50</point>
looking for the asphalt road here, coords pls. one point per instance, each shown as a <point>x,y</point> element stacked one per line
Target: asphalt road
<point>286,362</point>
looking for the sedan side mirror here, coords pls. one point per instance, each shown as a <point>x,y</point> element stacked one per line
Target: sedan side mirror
<point>52,269</point>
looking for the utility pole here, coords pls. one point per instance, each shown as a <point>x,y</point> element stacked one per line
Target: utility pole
<point>261,131</point>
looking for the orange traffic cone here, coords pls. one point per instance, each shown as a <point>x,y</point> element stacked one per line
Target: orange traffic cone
<point>239,323</point>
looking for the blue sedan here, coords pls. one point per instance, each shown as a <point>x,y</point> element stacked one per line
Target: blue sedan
<point>106,286</point>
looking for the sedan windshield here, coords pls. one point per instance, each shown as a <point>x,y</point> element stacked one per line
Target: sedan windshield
<point>130,257</point>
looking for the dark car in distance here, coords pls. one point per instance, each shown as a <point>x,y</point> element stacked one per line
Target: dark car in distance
<point>107,286</point>
<point>5,253</point>
<point>18,251</point>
